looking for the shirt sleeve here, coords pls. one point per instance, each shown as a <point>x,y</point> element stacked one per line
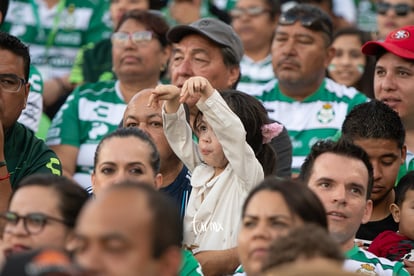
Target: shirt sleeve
<point>179,136</point>
<point>64,129</point>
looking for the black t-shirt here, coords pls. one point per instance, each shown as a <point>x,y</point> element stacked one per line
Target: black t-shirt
<point>370,230</point>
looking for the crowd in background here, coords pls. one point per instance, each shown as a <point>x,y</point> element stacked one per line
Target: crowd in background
<point>206,137</point>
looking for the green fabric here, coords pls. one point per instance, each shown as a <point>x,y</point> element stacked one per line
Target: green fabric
<point>189,266</point>
<point>93,63</point>
<point>318,116</point>
<point>364,262</point>
<point>44,125</point>
<point>25,155</point>
<point>80,22</point>
<point>90,112</point>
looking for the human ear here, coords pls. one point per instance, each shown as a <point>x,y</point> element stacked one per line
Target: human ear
<point>395,211</point>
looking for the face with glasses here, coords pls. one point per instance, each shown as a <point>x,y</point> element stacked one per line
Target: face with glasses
<point>252,21</point>
<point>34,220</point>
<point>13,88</point>
<point>136,52</point>
<point>299,57</point>
<point>394,14</point>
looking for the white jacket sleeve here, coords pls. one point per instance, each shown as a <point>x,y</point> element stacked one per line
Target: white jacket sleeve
<point>179,136</point>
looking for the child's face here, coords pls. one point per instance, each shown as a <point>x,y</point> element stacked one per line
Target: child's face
<point>406,215</point>
<point>209,146</point>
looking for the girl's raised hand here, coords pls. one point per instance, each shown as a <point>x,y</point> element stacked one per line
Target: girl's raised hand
<point>196,87</point>
<point>169,93</point>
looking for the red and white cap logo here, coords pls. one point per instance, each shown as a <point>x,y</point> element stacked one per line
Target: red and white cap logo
<point>400,34</point>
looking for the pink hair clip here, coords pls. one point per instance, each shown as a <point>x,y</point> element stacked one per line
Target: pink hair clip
<point>270,131</point>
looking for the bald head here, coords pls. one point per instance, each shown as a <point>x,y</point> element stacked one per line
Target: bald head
<point>149,119</point>
<point>129,221</point>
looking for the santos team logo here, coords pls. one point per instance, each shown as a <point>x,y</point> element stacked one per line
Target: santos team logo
<point>326,114</point>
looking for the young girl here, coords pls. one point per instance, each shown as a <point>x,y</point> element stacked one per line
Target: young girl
<point>224,167</point>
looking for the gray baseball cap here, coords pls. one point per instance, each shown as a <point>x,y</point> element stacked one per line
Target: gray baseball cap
<point>213,29</point>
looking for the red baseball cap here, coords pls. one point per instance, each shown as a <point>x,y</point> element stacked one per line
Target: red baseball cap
<point>399,42</point>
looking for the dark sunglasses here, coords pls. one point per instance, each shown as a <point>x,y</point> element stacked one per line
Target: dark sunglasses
<point>399,9</point>
<point>310,22</point>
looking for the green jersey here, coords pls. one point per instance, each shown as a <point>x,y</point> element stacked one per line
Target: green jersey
<point>319,116</point>
<point>189,265</point>
<point>56,34</point>
<point>361,261</point>
<point>90,112</point>
<point>25,154</point>
<point>93,63</point>
<point>31,115</point>
<point>255,75</point>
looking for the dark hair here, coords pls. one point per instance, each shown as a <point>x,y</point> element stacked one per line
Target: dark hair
<point>167,227</point>
<point>230,61</point>
<point>321,20</point>
<point>318,2</point>
<point>343,148</point>
<point>300,200</point>
<point>131,132</point>
<point>253,116</point>
<point>71,196</point>
<point>274,8</point>
<point>405,184</point>
<point>365,83</point>
<point>306,241</point>
<point>374,120</point>
<point>13,44</point>
<point>4,6</point>
<point>151,19</point>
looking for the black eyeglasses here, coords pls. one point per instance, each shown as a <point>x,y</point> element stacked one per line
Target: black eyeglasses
<point>252,12</point>
<point>11,83</point>
<point>311,22</point>
<point>33,223</point>
<point>399,9</point>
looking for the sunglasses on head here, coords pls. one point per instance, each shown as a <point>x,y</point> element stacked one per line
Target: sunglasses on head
<point>310,22</point>
<point>399,9</point>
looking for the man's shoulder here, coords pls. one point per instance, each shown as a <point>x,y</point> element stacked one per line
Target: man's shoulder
<point>95,88</point>
<point>26,154</point>
<point>341,90</point>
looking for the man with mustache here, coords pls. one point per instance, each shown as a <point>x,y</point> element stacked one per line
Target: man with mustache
<point>311,106</point>
<point>341,175</point>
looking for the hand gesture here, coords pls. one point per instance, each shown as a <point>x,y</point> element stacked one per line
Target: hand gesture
<point>196,87</point>
<point>169,93</point>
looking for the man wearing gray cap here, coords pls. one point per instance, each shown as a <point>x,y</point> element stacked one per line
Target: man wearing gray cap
<point>211,49</point>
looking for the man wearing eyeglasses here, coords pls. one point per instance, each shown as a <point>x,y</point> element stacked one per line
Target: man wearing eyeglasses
<point>393,14</point>
<point>21,152</point>
<point>311,106</point>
